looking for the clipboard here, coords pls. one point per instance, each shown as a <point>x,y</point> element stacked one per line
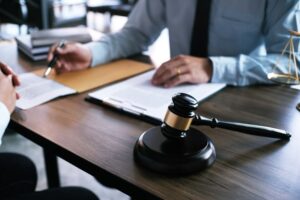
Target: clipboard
<point>137,96</point>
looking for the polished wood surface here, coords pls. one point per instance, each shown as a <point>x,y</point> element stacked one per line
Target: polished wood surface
<point>101,141</point>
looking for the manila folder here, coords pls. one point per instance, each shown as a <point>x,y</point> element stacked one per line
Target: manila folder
<point>101,75</point>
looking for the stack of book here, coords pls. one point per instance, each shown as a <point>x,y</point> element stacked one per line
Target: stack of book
<point>37,44</point>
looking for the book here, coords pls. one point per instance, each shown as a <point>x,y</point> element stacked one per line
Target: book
<point>51,36</point>
<point>34,53</point>
<point>36,90</point>
<point>138,97</point>
<point>37,45</point>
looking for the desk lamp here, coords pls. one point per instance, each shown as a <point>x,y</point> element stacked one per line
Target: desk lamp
<point>175,148</point>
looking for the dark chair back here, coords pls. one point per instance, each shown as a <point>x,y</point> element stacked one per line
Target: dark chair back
<point>43,14</point>
<point>13,11</point>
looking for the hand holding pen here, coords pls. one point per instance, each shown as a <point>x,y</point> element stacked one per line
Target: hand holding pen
<point>53,61</point>
<point>72,57</point>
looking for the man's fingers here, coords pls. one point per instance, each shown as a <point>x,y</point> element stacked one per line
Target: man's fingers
<point>12,90</point>
<point>6,69</point>
<point>169,65</point>
<point>60,51</point>
<point>168,70</point>
<point>63,67</point>
<point>64,70</point>
<point>16,81</point>
<point>183,78</point>
<point>170,74</point>
<point>2,74</point>
<point>68,48</point>
<point>51,52</point>
<point>163,68</point>
<point>58,66</point>
<point>10,79</point>
<point>18,96</point>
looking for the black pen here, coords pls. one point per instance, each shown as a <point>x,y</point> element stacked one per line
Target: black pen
<point>53,61</point>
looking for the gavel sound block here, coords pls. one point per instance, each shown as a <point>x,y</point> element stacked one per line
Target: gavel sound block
<point>175,148</point>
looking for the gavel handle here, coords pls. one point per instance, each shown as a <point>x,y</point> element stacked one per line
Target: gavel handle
<point>242,127</point>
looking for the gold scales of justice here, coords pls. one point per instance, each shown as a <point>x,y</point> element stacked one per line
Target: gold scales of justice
<point>290,76</point>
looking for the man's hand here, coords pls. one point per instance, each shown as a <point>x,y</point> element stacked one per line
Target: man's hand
<point>183,69</point>
<point>72,57</point>
<point>6,70</point>
<point>7,91</point>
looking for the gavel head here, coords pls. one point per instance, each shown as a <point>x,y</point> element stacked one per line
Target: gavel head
<point>179,116</point>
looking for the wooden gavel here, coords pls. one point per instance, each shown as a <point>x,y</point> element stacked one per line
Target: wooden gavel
<point>177,148</point>
<point>180,116</point>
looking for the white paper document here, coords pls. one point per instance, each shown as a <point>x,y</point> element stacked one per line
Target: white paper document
<point>138,96</point>
<point>35,90</point>
<point>297,87</point>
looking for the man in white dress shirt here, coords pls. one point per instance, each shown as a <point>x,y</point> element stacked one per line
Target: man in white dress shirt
<point>242,40</point>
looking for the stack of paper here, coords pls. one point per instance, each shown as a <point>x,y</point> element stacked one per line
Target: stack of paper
<point>51,36</point>
<point>34,53</point>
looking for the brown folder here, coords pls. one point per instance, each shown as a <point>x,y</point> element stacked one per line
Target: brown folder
<point>101,75</point>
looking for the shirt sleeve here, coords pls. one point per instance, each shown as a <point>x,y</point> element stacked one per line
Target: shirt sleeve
<point>281,16</point>
<point>4,119</point>
<point>143,27</point>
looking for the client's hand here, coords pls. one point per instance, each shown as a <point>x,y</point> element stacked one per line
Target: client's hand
<point>72,57</point>
<point>7,91</point>
<point>6,70</point>
<point>183,69</point>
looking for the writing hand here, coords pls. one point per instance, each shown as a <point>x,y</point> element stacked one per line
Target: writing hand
<point>73,57</point>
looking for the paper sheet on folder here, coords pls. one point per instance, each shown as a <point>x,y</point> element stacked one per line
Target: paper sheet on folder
<point>139,97</point>
<point>36,90</point>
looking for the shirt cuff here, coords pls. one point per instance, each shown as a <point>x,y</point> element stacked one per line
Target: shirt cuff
<point>99,53</point>
<point>224,70</point>
<point>4,120</point>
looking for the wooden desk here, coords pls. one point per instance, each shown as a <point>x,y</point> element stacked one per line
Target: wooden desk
<point>101,142</point>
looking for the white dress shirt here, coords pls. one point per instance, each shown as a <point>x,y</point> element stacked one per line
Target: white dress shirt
<point>245,36</point>
<point>4,119</point>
